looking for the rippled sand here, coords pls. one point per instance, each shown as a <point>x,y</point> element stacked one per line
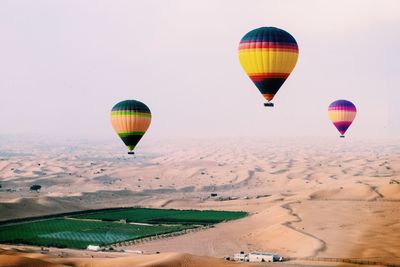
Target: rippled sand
<point>307,197</point>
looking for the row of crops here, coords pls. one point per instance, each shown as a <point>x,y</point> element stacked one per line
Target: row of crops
<point>165,216</point>
<point>105,227</point>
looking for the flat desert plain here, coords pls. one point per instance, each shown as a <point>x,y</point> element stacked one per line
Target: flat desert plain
<point>325,202</point>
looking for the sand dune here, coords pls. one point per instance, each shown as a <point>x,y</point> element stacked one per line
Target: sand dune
<point>306,197</point>
<point>162,260</point>
<point>11,259</point>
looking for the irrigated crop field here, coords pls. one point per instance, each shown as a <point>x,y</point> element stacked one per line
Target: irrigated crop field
<point>104,227</point>
<point>165,216</point>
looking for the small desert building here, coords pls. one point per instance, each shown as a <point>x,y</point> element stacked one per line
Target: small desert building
<point>134,251</point>
<point>93,248</point>
<point>263,257</point>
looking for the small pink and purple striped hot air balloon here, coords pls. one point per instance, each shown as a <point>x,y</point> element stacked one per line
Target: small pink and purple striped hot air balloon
<point>342,114</point>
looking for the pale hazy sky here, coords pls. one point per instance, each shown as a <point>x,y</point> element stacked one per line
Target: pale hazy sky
<point>64,64</point>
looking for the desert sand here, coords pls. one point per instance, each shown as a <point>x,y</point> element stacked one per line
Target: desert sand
<point>316,201</point>
<point>12,258</point>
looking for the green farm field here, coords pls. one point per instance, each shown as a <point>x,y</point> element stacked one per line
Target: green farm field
<point>104,227</point>
<point>165,216</point>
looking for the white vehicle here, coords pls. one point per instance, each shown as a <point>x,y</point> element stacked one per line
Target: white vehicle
<point>240,256</point>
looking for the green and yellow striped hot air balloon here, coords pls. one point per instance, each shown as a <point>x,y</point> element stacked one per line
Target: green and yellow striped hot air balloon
<point>130,119</point>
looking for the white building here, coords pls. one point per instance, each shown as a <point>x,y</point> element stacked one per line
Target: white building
<point>93,248</point>
<point>263,257</point>
<point>134,251</point>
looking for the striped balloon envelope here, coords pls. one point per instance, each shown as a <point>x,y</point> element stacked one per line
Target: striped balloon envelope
<point>268,55</point>
<point>342,114</point>
<point>130,119</point>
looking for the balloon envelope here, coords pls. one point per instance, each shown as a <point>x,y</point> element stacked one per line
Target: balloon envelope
<point>130,119</point>
<point>342,114</point>
<point>268,55</point>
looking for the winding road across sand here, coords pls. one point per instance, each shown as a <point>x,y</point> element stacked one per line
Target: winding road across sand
<point>298,219</point>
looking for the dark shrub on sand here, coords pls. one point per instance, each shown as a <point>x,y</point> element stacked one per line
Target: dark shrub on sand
<point>35,187</point>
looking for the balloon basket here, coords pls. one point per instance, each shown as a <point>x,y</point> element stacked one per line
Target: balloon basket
<point>131,153</point>
<point>342,136</point>
<point>268,104</point>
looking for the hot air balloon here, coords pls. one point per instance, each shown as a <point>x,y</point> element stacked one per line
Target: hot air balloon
<point>130,119</point>
<point>268,55</point>
<point>342,114</point>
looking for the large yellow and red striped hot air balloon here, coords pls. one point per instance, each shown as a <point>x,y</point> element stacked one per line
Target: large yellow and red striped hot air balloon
<point>130,119</point>
<point>268,55</point>
<point>342,113</point>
